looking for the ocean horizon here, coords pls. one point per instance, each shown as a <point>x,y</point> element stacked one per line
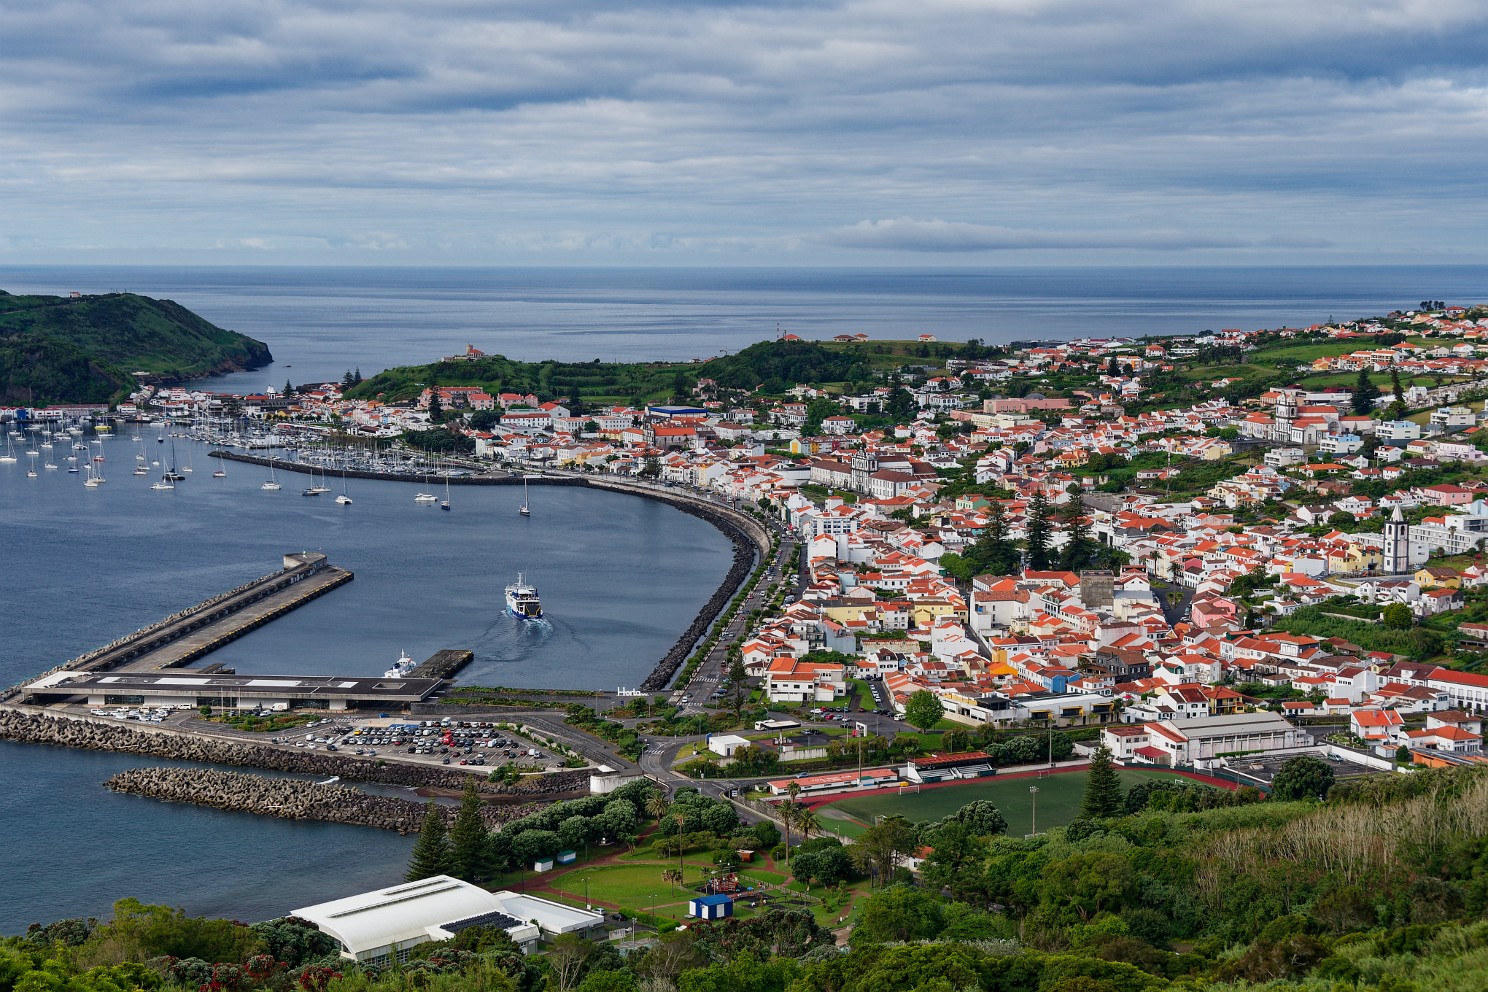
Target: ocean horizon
<point>321,322</point>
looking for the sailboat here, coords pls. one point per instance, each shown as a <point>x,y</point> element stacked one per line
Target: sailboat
<point>316,488</point>
<point>272,485</point>
<point>170,474</point>
<point>445,503</point>
<point>426,497</point>
<point>9,457</point>
<point>523,509</point>
<point>167,479</point>
<point>31,472</point>
<point>343,499</point>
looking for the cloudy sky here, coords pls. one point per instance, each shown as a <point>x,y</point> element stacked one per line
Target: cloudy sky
<point>662,132</point>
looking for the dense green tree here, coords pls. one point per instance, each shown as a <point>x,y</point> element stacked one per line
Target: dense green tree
<point>816,411</point>
<point>923,709</point>
<point>981,817</point>
<point>1365,393</point>
<point>436,410</point>
<point>468,836</point>
<point>878,849</point>
<point>431,852</point>
<point>1302,777</point>
<point>1396,616</point>
<point>1103,796</point>
<point>826,865</point>
<point>1036,541</point>
<point>1078,549</point>
<point>899,913</point>
<point>901,404</point>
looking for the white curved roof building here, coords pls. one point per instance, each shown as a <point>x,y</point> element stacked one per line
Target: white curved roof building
<point>384,924</point>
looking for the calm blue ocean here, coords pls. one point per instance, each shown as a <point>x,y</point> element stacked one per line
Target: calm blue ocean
<point>621,577</point>
<point>320,322</point>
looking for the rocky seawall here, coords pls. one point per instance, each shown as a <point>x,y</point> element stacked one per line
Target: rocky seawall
<point>46,729</point>
<point>666,669</point>
<point>290,799</point>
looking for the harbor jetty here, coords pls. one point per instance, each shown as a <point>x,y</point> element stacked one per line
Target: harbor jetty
<point>201,629</point>
<point>36,728</point>
<point>442,664</point>
<point>292,799</point>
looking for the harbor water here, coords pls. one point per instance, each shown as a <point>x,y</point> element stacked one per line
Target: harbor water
<point>620,578</point>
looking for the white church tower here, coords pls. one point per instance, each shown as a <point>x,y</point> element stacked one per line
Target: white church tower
<point>1397,545</point>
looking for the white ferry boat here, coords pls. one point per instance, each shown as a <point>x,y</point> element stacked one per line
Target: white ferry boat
<point>401,667</point>
<point>522,601</point>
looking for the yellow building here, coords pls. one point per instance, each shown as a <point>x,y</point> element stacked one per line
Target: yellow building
<point>1438,578</point>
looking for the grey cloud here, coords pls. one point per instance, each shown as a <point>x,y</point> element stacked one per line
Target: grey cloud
<point>906,234</point>
<point>653,127</point>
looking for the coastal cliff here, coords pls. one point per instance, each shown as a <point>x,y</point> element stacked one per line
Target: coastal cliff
<point>93,349</point>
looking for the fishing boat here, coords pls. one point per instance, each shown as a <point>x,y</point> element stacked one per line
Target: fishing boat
<point>522,601</point>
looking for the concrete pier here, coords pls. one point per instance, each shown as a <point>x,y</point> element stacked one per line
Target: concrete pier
<point>443,664</point>
<point>205,627</point>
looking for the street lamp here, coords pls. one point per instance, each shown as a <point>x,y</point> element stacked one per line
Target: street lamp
<point>1033,794</point>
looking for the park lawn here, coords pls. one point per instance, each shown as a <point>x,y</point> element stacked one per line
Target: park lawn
<point>1058,802</point>
<point>634,887</point>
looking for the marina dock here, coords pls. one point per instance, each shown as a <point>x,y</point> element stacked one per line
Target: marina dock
<point>443,664</point>
<point>201,629</point>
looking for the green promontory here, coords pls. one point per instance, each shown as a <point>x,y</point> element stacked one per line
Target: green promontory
<point>87,349</point>
<point>773,365</point>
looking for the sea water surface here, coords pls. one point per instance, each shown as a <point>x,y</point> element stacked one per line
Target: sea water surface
<point>323,322</point>
<point>620,577</point>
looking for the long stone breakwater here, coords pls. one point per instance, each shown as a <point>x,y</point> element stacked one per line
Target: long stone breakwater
<point>666,669</point>
<point>291,799</point>
<point>38,729</point>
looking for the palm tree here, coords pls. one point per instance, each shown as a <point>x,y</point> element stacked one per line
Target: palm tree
<point>681,820</point>
<point>788,811</point>
<point>657,805</point>
<point>674,876</point>
<point>807,822</point>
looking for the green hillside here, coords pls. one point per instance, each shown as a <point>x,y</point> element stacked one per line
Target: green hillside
<point>775,365</point>
<point>56,349</point>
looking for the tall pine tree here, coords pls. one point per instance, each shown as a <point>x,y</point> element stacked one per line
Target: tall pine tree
<point>1103,797</point>
<point>1077,552</point>
<point>431,852</point>
<point>1037,540</point>
<point>468,836</point>
<point>1365,393</point>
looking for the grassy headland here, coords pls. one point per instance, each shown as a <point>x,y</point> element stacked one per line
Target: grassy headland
<point>86,349</point>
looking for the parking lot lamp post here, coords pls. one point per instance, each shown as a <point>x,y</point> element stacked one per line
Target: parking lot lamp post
<point>1033,795</point>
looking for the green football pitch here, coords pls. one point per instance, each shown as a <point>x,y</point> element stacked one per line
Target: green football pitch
<point>1057,801</point>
